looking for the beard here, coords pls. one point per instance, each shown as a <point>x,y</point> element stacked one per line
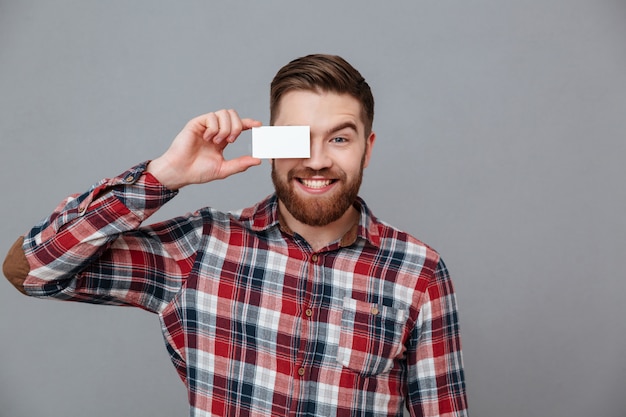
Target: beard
<point>318,210</point>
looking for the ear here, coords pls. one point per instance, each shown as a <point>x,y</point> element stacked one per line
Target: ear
<point>369,144</point>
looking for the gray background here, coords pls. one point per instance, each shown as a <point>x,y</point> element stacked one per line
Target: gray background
<point>500,143</point>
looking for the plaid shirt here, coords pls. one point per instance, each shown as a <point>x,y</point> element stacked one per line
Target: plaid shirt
<point>256,322</point>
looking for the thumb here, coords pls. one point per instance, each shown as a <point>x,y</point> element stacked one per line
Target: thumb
<point>237,165</point>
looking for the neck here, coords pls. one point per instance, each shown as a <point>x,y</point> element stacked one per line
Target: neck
<point>320,236</point>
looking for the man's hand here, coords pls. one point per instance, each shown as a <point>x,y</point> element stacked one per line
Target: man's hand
<point>196,155</point>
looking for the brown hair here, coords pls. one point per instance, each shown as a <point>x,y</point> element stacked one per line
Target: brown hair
<point>327,73</point>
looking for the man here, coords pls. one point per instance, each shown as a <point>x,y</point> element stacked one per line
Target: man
<point>304,304</point>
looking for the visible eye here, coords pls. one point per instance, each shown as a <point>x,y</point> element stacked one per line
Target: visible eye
<point>339,139</point>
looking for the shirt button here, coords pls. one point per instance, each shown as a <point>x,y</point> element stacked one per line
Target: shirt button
<point>130,178</point>
<point>375,311</point>
<point>308,312</point>
<point>314,258</point>
<point>301,371</point>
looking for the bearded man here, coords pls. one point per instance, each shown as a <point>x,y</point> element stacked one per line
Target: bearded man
<point>304,304</point>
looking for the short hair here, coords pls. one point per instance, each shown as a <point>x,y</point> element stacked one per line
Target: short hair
<point>323,73</point>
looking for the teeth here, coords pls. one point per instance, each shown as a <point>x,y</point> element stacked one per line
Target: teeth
<point>316,183</point>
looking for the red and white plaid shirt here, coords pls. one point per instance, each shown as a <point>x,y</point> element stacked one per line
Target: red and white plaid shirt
<point>255,321</point>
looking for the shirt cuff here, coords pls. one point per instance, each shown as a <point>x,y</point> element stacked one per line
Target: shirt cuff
<point>137,189</point>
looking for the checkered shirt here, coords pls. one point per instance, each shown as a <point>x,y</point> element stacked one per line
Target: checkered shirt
<point>255,321</point>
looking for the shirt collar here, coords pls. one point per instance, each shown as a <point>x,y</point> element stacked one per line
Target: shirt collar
<point>265,215</point>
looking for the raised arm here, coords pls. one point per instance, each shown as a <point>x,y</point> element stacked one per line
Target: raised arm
<point>87,248</point>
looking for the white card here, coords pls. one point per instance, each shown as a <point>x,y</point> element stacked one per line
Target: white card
<point>281,142</point>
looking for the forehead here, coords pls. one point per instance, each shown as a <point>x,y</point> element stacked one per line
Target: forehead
<point>320,110</point>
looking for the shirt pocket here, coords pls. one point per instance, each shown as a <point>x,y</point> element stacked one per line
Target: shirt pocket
<point>371,336</point>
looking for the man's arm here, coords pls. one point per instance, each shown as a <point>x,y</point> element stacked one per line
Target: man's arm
<point>436,379</point>
<point>64,255</point>
<point>91,247</point>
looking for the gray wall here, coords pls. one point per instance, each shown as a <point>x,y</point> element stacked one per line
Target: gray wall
<point>500,143</point>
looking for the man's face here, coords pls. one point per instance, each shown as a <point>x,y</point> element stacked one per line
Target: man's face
<point>319,190</point>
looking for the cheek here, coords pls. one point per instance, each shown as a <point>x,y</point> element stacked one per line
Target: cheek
<point>351,164</point>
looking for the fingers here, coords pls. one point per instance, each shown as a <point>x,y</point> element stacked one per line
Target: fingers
<point>236,126</point>
<point>223,125</point>
<point>209,123</point>
<point>250,123</point>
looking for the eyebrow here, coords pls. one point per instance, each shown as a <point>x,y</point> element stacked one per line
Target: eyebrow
<point>341,126</point>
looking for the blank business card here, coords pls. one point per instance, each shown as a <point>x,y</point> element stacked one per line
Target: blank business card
<point>281,142</point>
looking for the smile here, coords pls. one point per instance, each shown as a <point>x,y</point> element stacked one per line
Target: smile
<point>315,183</point>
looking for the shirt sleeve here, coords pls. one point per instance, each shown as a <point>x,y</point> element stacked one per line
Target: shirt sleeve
<point>436,381</point>
<point>92,248</point>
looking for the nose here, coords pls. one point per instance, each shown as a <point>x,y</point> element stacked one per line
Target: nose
<point>319,157</point>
